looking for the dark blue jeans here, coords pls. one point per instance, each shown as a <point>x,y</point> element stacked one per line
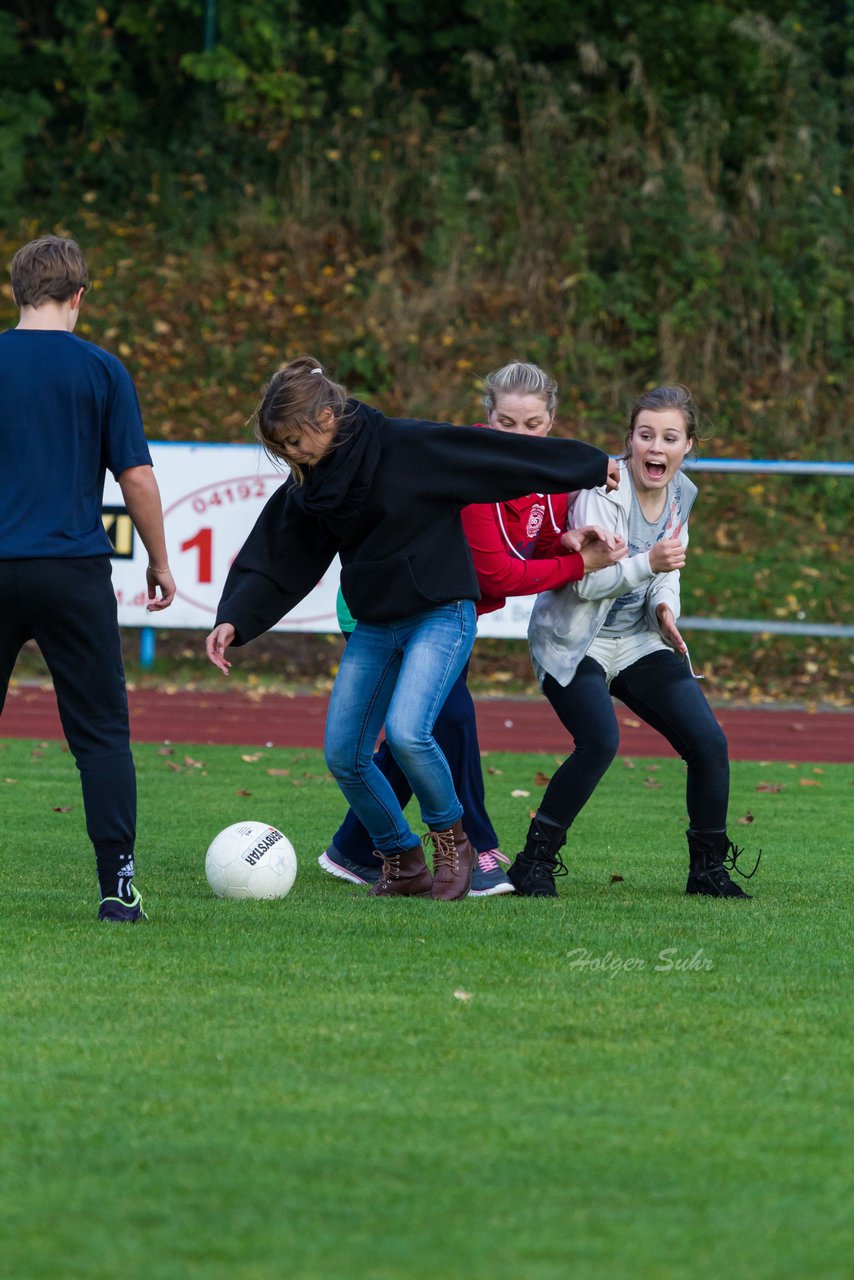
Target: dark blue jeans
<point>455,731</point>
<point>660,690</point>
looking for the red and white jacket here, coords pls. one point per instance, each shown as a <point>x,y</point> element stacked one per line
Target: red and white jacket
<point>516,547</point>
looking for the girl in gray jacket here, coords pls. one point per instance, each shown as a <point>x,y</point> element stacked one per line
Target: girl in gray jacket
<point>614,633</point>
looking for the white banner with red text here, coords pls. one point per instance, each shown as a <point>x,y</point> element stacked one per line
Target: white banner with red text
<point>212,495</point>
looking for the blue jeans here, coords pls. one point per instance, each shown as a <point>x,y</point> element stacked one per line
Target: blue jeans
<point>455,731</point>
<point>398,674</point>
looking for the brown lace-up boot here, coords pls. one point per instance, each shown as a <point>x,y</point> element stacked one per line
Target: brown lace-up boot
<point>453,862</point>
<point>405,874</point>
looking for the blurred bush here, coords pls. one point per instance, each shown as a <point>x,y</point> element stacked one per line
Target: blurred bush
<point>626,193</point>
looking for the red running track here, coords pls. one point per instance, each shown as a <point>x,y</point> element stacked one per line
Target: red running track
<point>504,724</point>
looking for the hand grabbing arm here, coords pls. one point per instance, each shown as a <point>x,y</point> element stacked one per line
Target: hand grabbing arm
<point>598,547</point>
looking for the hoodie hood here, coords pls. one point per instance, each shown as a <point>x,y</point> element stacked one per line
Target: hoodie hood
<point>339,484</point>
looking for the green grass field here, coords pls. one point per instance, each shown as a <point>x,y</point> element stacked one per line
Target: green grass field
<point>624,1083</point>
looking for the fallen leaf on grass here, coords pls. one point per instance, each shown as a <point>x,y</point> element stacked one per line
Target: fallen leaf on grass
<point>772,787</point>
<point>495,771</point>
<point>809,782</point>
<point>746,820</point>
<point>617,879</point>
<point>459,994</point>
<point>651,784</point>
<point>193,764</point>
<point>166,751</point>
<point>518,795</point>
<point>63,808</point>
<point>278,773</point>
<point>253,758</point>
<point>818,770</point>
<point>242,792</point>
<point>10,779</point>
<point>542,779</point>
<point>176,768</point>
<point>628,763</point>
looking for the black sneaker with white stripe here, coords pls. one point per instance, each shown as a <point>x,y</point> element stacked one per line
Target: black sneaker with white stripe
<point>337,864</point>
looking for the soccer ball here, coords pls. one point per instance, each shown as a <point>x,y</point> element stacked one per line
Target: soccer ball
<point>250,860</point>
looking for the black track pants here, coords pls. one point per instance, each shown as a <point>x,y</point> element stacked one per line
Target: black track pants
<point>68,607</point>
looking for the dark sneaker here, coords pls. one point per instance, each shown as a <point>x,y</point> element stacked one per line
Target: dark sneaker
<point>713,856</point>
<point>489,877</point>
<point>120,912</point>
<point>535,877</point>
<point>343,868</point>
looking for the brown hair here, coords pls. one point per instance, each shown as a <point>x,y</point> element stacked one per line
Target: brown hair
<point>661,398</point>
<point>51,268</point>
<point>292,403</point>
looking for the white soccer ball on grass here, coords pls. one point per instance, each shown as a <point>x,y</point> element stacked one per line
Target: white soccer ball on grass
<point>250,860</point>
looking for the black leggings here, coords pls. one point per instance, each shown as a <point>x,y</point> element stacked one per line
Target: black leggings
<point>660,690</point>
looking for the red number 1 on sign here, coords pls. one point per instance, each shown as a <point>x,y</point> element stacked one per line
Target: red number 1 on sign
<point>204,541</point>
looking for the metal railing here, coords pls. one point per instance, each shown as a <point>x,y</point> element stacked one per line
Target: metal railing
<point>768,466</point>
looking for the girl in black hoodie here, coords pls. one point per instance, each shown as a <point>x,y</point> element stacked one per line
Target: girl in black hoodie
<point>386,495</point>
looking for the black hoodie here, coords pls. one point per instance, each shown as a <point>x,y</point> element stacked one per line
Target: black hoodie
<point>387,499</point>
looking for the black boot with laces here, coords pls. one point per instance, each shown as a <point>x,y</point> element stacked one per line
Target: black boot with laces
<point>713,855</point>
<point>533,873</point>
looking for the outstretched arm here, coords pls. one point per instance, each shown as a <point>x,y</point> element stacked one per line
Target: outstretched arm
<point>282,560</point>
<point>142,499</point>
<point>475,465</point>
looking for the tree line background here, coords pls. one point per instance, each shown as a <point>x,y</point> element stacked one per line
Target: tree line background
<point>626,192</point>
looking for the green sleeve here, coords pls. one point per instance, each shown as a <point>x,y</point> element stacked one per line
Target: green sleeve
<point>346,621</point>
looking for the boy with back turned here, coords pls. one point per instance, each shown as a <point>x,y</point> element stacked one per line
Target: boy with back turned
<point>68,411</point>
